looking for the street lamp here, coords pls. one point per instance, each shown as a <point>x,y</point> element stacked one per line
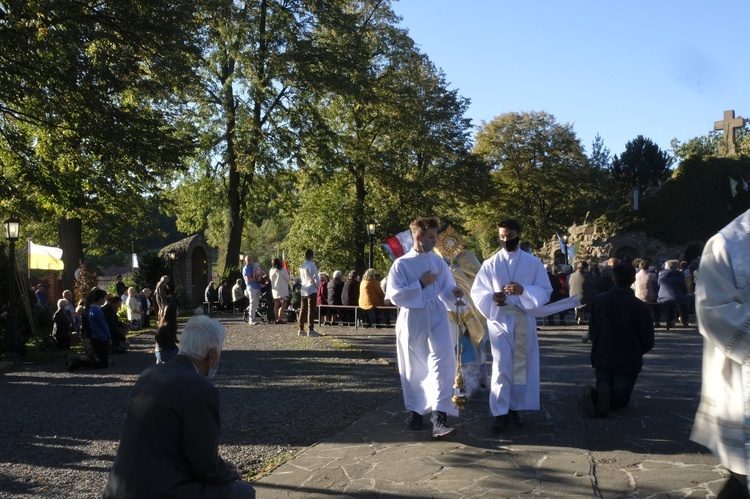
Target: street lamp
<point>12,227</point>
<point>565,247</point>
<point>242,259</point>
<point>370,232</point>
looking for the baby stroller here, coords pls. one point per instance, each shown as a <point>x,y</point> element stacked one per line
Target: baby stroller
<point>261,315</point>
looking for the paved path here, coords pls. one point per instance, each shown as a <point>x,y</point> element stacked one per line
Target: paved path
<point>638,452</point>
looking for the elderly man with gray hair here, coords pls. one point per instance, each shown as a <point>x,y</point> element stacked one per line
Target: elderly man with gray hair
<point>170,438</point>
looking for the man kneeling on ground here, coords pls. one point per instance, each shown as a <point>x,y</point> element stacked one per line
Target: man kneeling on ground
<point>621,332</point>
<point>170,439</point>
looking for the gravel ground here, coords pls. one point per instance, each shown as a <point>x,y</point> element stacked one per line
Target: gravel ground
<point>280,393</point>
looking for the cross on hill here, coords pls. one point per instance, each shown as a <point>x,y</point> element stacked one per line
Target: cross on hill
<point>729,124</point>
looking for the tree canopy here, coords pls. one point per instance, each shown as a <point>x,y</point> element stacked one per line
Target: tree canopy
<point>641,165</point>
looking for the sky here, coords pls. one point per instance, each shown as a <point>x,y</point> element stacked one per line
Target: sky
<point>663,69</point>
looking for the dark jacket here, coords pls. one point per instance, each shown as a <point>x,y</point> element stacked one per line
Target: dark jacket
<point>350,293</point>
<point>672,287</point>
<point>335,287</point>
<point>116,328</point>
<point>557,293</point>
<point>170,437</point>
<point>621,331</point>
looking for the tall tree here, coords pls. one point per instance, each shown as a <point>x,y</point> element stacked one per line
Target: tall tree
<point>601,157</point>
<point>540,175</point>
<point>384,137</point>
<point>244,106</point>
<point>641,165</point>
<point>87,107</point>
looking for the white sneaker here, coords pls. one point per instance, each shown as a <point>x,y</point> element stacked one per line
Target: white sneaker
<point>439,430</point>
<point>301,332</point>
<point>313,333</point>
<point>255,323</point>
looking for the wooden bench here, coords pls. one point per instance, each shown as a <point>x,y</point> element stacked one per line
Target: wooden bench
<point>357,315</point>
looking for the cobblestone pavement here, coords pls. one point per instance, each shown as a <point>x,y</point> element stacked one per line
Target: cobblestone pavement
<point>642,451</point>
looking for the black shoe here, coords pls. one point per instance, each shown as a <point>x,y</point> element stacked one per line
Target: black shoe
<point>587,401</point>
<point>501,422</point>
<point>73,365</point>
<point>415,422</point>
<point>515,418</point>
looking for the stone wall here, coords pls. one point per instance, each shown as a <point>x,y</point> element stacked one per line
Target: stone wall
<point>595,245</point>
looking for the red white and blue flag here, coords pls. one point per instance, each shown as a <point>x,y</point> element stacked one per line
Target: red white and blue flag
<point>398,245</point>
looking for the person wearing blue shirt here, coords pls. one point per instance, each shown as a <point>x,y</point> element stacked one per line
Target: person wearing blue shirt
<point>100,335</point>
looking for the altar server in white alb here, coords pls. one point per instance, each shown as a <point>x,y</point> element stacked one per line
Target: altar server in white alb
<point>421,283</point>
<point>510,284</point>
<point>722,304</point>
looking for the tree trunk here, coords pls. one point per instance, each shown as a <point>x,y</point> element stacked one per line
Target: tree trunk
<point>359,221</point>
<point>69,234</point>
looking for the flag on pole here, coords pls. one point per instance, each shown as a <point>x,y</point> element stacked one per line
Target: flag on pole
<point>45,257</point>
<point>398,245</point>
<point>745,187</point>
<point>283,260</point>
<point>135,261</point>
<point>733,186</point>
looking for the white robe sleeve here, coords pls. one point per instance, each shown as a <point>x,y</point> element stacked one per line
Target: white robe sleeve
<point>723,313</point>
<point>482,291</point>
<point>401,291</point>
<point>536,294</point>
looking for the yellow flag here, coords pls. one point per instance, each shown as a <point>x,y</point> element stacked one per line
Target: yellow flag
<point>45,257</point>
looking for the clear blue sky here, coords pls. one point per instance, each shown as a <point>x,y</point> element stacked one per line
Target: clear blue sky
<point>663,69</point>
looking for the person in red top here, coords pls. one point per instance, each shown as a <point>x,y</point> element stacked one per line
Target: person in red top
<point>322,299</point>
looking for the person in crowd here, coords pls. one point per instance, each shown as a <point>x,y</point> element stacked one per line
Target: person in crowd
<point>335,288</point>
<point>253,275</point>
<point>673,293</point>
<point>99,332</point>
<point>647,290</point>
<point>147,307</point>
<point>41,295</point>
<point>211,294</point>
<point>225,295</point>
<point>308,273</point>
<point>62,325</point>
<point>621,332</point>
<point>296,298</point>
<point>239,300</point>
<point>280,280</point>
<point>371,296</point>
<point>166,335</point>
<point>162,294</point>
<point>509,285</point>
<point>133,308</point>
<point>120,287</point>
<point>350,295</point>
<point>385,313</point>
<point>581,284</point>
<point>556,291</point>
<point>118,330</point>
<point>422,285</point>
<point>722,304</point>
<point>170,434</point>
<point>71,309</point>
<point>322,299</point>
<point>562,276</point>
<point>605,281</point>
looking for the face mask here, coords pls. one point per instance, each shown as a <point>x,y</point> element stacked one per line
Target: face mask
<point>212,370</point>
<point>427,246</point>
<point>510,244</point>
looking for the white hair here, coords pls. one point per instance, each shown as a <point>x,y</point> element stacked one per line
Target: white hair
<point>62,303</point>
<point>337,274</point>
<point>201,335</point>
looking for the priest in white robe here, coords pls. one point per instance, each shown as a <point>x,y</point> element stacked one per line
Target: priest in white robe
<point>421,284</point>
<point>722,303</point>
<point>508,287</point>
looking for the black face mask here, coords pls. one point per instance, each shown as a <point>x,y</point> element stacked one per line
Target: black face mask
<point>510,244</point>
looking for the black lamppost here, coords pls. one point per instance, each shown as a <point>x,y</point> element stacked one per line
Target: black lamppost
<point>370,232</point>
<point>12,227</point>
<point>565,247</point>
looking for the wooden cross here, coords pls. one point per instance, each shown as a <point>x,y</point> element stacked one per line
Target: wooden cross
<point>729,124</point>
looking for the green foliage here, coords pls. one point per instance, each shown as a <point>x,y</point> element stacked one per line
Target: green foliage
<point>696,201</point>
<point>151,268</point>
<point>641,165</point>
<point>540,176</point>
<point>84,284</point>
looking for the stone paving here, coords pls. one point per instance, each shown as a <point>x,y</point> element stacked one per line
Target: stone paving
<point>642,451</point>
